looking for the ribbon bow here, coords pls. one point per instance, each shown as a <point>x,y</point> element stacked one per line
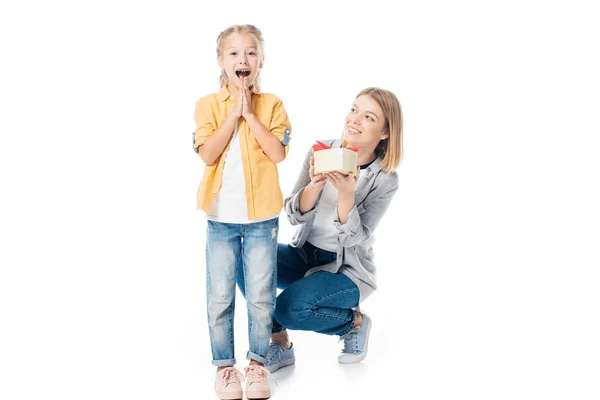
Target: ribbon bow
<point>323,146</point>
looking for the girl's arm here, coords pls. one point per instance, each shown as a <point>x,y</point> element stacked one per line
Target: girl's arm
<point>214,145</point>
<point>210,143</point>
<point>270,144</point>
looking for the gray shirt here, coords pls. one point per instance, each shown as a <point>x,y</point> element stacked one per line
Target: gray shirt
<point>373,195</point>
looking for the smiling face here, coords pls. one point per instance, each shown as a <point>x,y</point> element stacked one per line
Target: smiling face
<point>365,124</point>
<point>240,57</point>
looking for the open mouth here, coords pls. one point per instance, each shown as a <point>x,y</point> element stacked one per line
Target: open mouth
<point>242,73</point>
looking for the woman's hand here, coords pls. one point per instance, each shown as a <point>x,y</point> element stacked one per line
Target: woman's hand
<point>345,184</point>
<point>317,182</point>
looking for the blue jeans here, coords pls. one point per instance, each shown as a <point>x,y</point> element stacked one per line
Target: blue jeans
<point>251,249</point>
<point>321,302</point>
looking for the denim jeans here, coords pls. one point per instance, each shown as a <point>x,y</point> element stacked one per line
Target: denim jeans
<point>252,249</point>
<point>321,302</point>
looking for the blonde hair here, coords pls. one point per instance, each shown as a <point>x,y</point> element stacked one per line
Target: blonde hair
<point>260,43</point>
<point>390,148</point>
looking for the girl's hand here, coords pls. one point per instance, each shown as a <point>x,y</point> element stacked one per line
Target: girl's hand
<point>317,182</point>
<point>238,106</point>
<point>345,184</point>
<point>247,96</point>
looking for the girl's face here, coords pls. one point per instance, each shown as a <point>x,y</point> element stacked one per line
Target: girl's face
<point>240,58</point>
<point>365,124</point>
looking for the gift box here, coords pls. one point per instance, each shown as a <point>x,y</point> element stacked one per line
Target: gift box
<point>342,160</point>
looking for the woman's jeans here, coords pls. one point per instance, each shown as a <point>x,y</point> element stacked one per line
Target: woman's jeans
<point>252,249</point>
<point>321,302</point>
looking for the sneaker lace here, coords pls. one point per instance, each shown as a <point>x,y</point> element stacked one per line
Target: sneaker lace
<point>350,341</point>
<point>231,375</point>
<point>258,373</point>
<point>272,351</point>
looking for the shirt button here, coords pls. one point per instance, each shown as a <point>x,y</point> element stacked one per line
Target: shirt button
<point>214,192</point>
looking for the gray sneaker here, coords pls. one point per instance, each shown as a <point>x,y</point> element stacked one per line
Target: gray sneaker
<point>279,357</point>
<point>356,343</point>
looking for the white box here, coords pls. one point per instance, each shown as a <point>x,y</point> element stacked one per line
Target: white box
<point>339,159</point>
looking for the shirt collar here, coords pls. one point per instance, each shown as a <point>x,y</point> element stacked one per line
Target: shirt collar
<point>224,93</point>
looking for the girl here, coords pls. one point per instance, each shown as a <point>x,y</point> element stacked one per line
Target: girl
<point>241,134</point>
<point>328,269</point>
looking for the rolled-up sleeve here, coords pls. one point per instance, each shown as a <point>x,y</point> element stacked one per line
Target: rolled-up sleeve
<point>205,122</point>
<point>361,223</point>
<point>292,203</point>
<point>280,125</point>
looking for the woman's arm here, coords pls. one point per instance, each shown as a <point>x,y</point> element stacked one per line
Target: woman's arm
<point>313,189</point>
<point>345,205</point>
<point>298,207</point>
<point>358,227</point>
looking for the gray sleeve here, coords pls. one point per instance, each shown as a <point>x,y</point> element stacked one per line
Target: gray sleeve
<point>292,202</point>
<point>360,226</point>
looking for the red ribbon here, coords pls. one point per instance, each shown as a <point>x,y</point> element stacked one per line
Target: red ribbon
<point>323,146</point>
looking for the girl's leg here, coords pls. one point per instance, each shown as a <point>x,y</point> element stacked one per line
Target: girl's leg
<point>321,302</point>
<point>290,267</point>
<point>260,283</point>
<point>223,249</point>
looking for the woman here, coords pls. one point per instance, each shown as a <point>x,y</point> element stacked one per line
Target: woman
<point>327,270</point>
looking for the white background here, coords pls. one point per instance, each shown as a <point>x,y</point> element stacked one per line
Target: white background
<point>488,258</point>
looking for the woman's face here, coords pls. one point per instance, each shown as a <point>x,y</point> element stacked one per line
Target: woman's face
<point>365,123</point>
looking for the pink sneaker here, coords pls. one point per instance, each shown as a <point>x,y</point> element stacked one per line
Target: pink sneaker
<point>227,384</point>
<point>257,386</point>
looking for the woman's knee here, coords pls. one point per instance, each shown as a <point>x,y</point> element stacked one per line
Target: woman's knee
<point>290,311</point>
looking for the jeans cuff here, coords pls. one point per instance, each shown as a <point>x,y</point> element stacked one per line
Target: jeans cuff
<point>277,329</point>
<point>224,363</point>
<point>347,330</point>
<point>253,356</point>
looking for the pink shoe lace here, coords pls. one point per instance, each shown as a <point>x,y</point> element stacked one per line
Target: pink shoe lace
<point>230,375</point>
<point>258,373</point>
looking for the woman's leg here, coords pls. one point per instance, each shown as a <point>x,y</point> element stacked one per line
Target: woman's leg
<point>223,249</point>
<point>321,302</point>
<point>292,265</point>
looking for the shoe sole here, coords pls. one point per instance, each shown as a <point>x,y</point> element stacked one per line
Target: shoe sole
<point>362,355</point>
<point>230,396</point>
<point>260,394</point>
<point>278,366</point>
